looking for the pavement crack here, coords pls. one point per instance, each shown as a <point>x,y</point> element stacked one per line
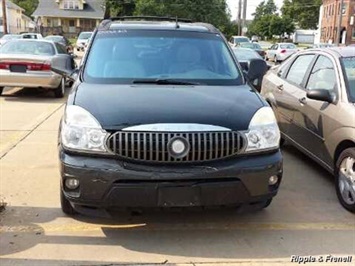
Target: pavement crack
<point>31,131</point>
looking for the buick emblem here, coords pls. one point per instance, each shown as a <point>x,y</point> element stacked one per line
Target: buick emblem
<point>178,147</point>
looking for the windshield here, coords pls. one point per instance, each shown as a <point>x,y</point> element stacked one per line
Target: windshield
<point>246,54</point>
<point>130,56</point>
<point>85,35</point>
<point>349,67</point>
<point>27,47</point>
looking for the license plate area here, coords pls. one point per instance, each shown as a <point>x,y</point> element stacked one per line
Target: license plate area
<point>18,68</point>
<point>179,196</point>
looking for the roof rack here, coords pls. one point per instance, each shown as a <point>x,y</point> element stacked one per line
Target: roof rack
<point>151,18</point>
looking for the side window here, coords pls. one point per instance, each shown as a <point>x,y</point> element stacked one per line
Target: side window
<point>322,75</point>
<point>299,68</point>
<point>60,48</point>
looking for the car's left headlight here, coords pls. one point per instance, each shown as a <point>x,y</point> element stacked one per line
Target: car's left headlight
<point>81,131</point>
<point>263,133</point>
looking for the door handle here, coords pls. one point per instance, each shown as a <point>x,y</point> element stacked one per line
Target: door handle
<point>280,87</point>
<point>303,100</point>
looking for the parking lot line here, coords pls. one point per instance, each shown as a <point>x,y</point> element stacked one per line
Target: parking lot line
<point>71,227</point>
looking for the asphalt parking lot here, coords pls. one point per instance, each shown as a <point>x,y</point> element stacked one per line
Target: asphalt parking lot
<point>305,219</point>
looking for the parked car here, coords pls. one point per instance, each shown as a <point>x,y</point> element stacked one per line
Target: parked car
<point>27,63</point>
<point>134,133</point>
<point>254,38</point>
<point>255,46</point>
<point>30,35</point>
<point>244,56</point>
<point>62,40</point>
<point>237,40</point>
<point>7,37</point>
<point>280,51</point>
<point>83,40</point>
<point>313,96</point>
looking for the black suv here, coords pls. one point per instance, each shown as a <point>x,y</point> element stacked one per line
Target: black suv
<point>161,114</point>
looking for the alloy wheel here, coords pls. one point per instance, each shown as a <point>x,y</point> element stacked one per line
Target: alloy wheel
<point>346,181</point>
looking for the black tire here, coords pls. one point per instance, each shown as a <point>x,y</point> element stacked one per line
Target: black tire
<point>267,203</point>
<point>282,141</point>
<point>1,90</point>
<point>60,91</point>
<point>67,208</point>
<point>344,185</point>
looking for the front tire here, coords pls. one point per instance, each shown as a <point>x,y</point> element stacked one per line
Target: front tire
<point>1,90</point>
<point>345,179</point>
<point>60,90</point>
<point>67,208</point>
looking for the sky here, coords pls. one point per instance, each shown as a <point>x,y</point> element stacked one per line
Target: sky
<point>252,4</point>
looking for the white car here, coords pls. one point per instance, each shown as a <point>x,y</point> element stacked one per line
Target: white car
<point>236,40</point>
<point>280,51</point>
<point>83,40</point>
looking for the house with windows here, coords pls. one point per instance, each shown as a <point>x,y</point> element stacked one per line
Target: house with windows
<point>331,11</point>
<point>68,17</point>
<point>17,21</point>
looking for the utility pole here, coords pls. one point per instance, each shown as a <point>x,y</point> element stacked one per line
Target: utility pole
<point>337,41</point>
<point>239,18</point>
<point>245,4</point>
<point>4,17</point>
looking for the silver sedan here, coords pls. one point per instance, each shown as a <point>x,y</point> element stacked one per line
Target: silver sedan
<point>27,63</point>
<point>280,51</point>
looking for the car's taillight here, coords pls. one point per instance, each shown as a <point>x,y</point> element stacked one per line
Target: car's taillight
<point>4,65</point>
<point>39,67</point>
<point>283,51</point>
<point>46,66</point>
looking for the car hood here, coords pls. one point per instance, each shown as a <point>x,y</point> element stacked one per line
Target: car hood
<point>120,106</point>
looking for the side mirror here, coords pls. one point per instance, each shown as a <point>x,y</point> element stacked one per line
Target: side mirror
<point>320,95</point>
<point>64,67</point>
<point>256,69</point>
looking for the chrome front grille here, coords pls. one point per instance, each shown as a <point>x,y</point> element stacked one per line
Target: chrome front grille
<point>153,146</point>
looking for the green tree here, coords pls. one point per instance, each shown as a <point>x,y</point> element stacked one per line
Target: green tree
<point>28,5</point>
<point>119,8</point>
<point>304,13</point>
<point>212,11</point>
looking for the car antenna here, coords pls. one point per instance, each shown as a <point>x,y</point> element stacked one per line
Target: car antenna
<point>177,22</point>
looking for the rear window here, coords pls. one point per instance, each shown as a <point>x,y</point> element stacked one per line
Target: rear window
<point>241,39</point>
<point>245,54</point>
<point>27,47</point>
<point>124,56</point>
<point>288,46</point>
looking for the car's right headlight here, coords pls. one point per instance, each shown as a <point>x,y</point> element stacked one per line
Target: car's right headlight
<point>263,133</point>
<point>81,131</point>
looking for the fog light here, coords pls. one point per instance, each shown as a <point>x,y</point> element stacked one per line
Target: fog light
<point>72,183</point>
<point>273,180</point>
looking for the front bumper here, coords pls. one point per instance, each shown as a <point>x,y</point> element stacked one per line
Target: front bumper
<point>109,183</point>
<point>30,79</point>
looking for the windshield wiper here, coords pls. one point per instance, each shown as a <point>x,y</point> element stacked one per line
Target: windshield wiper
<point>164,82</point>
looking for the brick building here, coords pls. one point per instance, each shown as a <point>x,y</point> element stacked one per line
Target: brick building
<point>330,20</point>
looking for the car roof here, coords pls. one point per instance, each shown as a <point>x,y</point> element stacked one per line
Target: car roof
<point>337,51</point>
<point>155,23</point>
